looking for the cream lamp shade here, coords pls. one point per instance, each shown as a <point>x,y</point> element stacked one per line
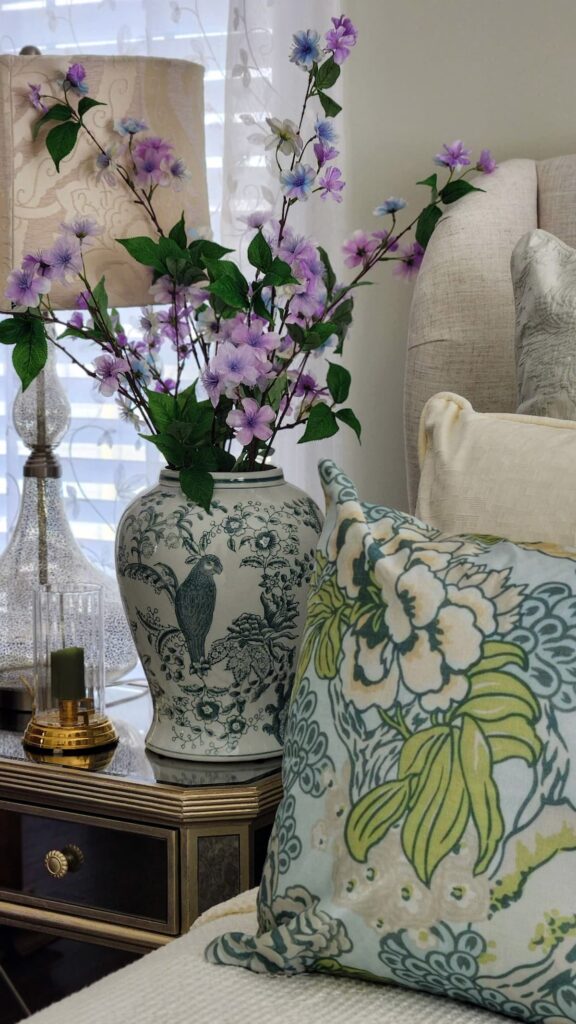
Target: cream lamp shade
<point>35,199</point>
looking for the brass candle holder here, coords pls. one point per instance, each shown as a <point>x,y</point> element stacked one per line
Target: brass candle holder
<point>68,724</point>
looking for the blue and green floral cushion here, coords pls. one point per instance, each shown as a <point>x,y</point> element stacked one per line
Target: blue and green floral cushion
<point>427,835</point>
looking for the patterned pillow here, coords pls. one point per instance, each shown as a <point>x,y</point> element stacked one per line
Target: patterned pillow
<point>427,835</point>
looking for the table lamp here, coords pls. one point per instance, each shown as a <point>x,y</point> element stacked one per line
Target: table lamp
<point>34,201</point>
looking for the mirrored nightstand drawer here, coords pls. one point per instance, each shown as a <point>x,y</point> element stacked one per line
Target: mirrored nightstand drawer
<point>120,872</point>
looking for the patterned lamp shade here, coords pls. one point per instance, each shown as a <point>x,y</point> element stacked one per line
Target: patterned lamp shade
<point>167,95</point>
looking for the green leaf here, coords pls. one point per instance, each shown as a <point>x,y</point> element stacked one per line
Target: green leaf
<point>495,695</point>
<point>204,249</point>
<point>297,333</point>
<point>327,74</point>
<point>12,330</point>
<point>86,104</point>
<point>260,253</point>
<point>178,233</point>
<point>338,380</point>
<point>170,447</point>
<point>342,313</point>
<point>418,751</point>
<point>476,760</point>
<point>512,737</point>
<point>278,274</point>
<point>438,816</point>
<point>30,352</point>
<point>317,335</point>
<point>454,190</point>
<point>426,223</point>
<point>144,250</point>
<point>330,107</point>
<point>233,294</point>
<point>168,248</point>
<point>321,423</point>
<point>100,297</point>
<point>276,391</point>
<point>374,815</point>
<point>329,275</point>
<point>350,419</point>
<point>496,654</point>
<point>162,408</point>
<point>59,112</point>
<point>198,485</point>
<point>60,141</point>
<point>431,182</point>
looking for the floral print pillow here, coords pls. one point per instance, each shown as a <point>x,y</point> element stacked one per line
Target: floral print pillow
<point>427,835</point>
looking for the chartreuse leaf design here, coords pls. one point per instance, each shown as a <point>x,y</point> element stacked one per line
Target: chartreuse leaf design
<point>374,815</point>
<point>476,761</point>
<point>445,771</point>
<point>328,617</point>
<point>438,816</point>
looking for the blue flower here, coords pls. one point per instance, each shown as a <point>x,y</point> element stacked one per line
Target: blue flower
<point>297,184</point>
<point>325,130</point>
<point>306,49</point>
<point>391,205</point>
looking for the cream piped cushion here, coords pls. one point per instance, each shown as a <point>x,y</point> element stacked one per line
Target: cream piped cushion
<point>503,474</point>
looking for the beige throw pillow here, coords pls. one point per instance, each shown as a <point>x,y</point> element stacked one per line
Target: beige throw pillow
<point>497,473</point>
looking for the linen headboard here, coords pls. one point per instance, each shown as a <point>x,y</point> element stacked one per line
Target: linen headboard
<point>461,328</point>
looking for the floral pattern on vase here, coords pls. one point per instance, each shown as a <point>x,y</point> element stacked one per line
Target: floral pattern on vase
<point>216,606</point>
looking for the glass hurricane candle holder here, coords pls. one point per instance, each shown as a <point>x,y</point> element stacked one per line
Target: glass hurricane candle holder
<point>69,724</point>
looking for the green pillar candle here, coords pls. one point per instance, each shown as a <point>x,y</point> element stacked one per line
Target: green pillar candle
<point>67,674</point>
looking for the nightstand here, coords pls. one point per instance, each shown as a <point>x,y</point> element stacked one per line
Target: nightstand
<point>138,849</point>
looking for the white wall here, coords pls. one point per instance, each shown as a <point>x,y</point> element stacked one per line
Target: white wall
<point>497,73</point>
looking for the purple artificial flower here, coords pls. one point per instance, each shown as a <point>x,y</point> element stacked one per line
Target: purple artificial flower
<point>325,130</point>
<point>108,369</point>
<point>160,146</point>
<point>166,386</point>
<point>83,300</point>
<point>213,381</point>
<point>35,97</point>
<point>391,205</point>
<point>411,261</point>
<point>179,173</point>
<point>455,156</point>
<point>151,168</point>
<point>341,38</point>
<point>251,421</point>
<point>105,165</point>
<point>256,219</point>
<point>130,126</point>
<point>324,153</point>
<point>486,162</point>
<point>308,388</point>
<point>358,249</point>
<point>387,237</point>
<point>38,263</point>
<point>23,288</point>
<point>239,365</point>
<point>255,336</point>
<point>75,76</point>
<point>76,320</point>
<point>305,48</point>
<point>297,184</point>
<point>82,228</point>
<point>332,184</point>
<point>65,258</point>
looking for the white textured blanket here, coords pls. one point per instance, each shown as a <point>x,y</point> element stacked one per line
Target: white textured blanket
<point>174,985</point>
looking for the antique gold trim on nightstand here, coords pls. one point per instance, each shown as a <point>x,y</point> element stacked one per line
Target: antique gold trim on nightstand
<point>122,798</point>
<point>168,836</point>
<point>81,929</point>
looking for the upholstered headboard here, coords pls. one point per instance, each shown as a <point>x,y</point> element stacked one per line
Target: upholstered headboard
<point>461,330</point>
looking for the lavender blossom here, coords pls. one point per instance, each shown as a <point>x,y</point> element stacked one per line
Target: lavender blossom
<point>341,38</point>
<point>455,156</point>
<point>65,259</point>
<point>35,97</point>
<point>486,162</point>
<point>411,261</point>
<point>325,130</point>
<point>324,153</point>
<point>23,288</point>
<point>38,263</point>
<point>83,228</point>
<point>358,249</point>
<point>251,421</point>
<point>130,126</point>
<point>331,184</point>
<point>75,78</point>
<point>108,369</point>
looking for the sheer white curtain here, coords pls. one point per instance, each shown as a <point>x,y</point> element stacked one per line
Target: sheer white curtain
<point>244,47</point>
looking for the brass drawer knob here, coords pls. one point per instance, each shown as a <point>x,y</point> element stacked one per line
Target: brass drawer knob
<point>59,862</point>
